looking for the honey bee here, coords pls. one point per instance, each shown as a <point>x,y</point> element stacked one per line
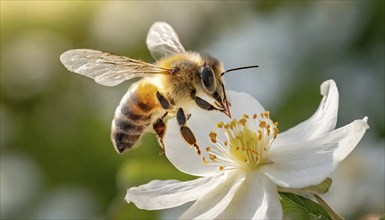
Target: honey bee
<point>176,81</point>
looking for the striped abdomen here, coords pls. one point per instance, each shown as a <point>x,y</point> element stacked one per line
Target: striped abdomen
<point>133,115</point>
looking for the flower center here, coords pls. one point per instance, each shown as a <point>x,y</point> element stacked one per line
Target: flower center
<point>248,141</point>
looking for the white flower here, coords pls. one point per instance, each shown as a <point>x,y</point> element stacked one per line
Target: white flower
<point>241,162</point>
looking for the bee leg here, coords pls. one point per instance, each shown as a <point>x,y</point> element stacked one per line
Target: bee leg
<point>163,101</point>
<point>160,128</point>
<point>186,132</point>
<point>203,104</point>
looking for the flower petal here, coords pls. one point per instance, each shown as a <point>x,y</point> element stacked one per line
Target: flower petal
<point>301,164</point>
<point>321,122</point>
<point>257,198</point>
<point>215,201</point>
<point>242,103</point>
<point>182,155</point>
<point>159,194</point>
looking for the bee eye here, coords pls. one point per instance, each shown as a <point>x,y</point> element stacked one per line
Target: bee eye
<point>208,80</point>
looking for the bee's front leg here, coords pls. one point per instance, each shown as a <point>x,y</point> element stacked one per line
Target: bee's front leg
<point>203,104</point>
<point>186,132</point>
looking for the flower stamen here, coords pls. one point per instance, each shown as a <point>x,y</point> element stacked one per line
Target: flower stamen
<point>247,144</point>
<point>213,137</point>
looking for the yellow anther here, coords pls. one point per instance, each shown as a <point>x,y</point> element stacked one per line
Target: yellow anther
<point>255,116</point>
<point>259,135</point>
<point>233,123</point>
<point>208,149</point>
<point>204,161</point>
<point>225,143</point>
<point>262,124</point>
<point>220,124</point>
<point>267,114</point>
<point>213,137</point>
<point>221,168</point>
<point>268,129</point>
<point>276,131</point>
<point>213,157</point>
<point>242,121</point>
<point>275,124</point>
<point>245,116</point>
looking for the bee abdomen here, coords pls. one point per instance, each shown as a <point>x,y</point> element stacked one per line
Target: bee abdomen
<point>126,133</point>
<point>133,115</point>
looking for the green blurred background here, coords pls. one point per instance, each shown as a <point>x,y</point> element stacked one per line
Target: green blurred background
<point>57,161</point>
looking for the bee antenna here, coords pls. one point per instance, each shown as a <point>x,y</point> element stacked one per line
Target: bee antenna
<point>239,68</point>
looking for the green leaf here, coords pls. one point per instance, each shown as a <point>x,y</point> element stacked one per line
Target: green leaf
<point>321,188</point>
<point>298,207</point>
<point>328,209</point>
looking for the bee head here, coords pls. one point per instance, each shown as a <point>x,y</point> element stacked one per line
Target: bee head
<point>214,96</point>
<point>213,88</point>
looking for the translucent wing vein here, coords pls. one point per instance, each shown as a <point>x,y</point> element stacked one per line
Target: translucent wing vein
<point>105,68</point>
<point>163,41</point>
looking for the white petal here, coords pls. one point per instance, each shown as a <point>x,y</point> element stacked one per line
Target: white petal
<point>301,164</point>
<point>158,194</point>
<point>257,198</point>
<point>321,122</point>
<point>215,201</point>
<point>182,155</point>
<point>243,103</point>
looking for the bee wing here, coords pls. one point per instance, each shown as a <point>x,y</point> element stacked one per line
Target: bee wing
<point>105,68</point>
<point>162,41</point>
